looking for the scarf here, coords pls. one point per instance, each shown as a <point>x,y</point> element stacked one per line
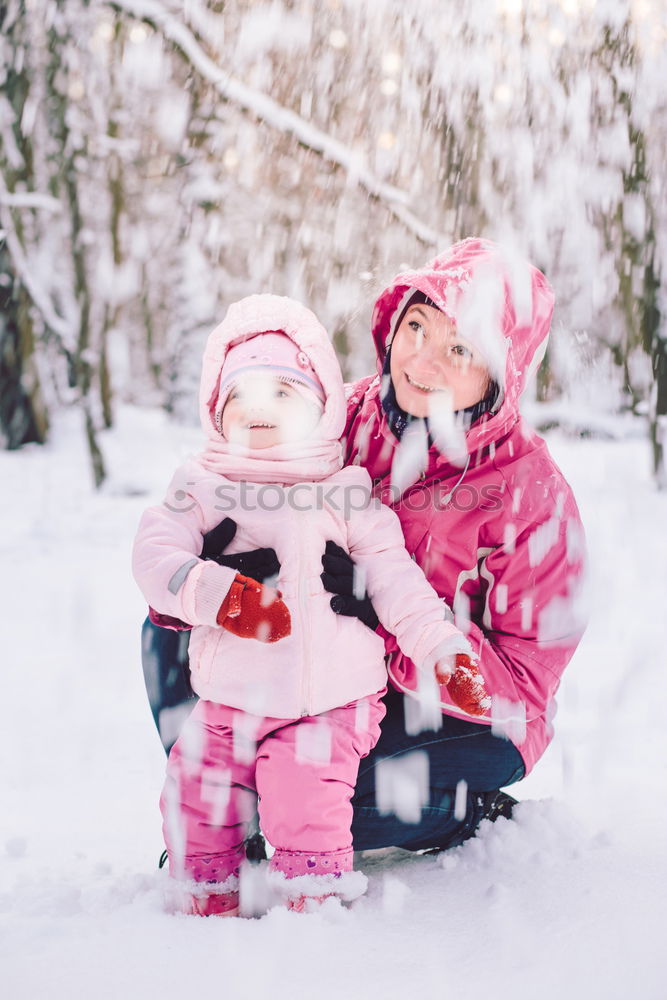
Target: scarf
<point>283,464</point>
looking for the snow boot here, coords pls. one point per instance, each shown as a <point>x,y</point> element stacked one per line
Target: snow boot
<point>307,904</point>
<point>497,804</point>
<point>492,805</point>
<point>212,904</point>
<point>255,850</point>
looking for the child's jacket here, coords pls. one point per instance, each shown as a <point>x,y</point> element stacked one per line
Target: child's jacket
<point>328,660</point>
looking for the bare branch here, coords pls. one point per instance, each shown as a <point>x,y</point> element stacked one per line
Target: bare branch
<point>278,117</point>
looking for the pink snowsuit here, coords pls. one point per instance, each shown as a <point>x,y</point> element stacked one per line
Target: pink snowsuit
<point>290,721</point>
<point>496,530</point>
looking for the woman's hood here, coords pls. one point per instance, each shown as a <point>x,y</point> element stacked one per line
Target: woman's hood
<point>499,302</point>
<point>261,314</point>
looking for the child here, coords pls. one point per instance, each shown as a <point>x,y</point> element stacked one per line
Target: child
<point>290,693</point>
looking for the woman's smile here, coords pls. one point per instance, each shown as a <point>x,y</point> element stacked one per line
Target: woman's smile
<point>414,384</point>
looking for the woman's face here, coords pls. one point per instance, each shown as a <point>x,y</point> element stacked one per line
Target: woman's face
<point>429,360</point>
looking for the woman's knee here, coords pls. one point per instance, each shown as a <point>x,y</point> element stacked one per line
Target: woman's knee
<point>460,755</point>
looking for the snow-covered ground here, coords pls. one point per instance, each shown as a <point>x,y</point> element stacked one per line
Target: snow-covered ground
<point>567,899</point>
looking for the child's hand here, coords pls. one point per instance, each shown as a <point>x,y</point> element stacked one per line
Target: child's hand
<point>464,683</point>
<point>253,611</point>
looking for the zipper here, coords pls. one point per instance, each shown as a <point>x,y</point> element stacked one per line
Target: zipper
<point>307,673</point>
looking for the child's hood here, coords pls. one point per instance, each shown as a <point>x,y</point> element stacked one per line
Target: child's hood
<point>262,314</point>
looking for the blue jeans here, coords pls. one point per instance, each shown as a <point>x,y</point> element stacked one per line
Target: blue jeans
<point>164,658</point>
<point>459,751</point>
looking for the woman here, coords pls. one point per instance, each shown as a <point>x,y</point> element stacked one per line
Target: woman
<point>485,512</point>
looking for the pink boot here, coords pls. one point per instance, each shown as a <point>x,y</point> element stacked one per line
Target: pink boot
<point>204,886</point>
<point>307,904</point>
<point>302,880</point>
<point>212,904</point>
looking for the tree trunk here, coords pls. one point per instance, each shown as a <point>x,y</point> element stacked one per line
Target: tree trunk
<point>656,345</point>
<point>23,414</point>
<point>87,357</point>
<point>659,413</point>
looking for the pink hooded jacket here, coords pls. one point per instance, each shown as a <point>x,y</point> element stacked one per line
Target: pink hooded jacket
<point>507,549</point>
<point>328,660</point>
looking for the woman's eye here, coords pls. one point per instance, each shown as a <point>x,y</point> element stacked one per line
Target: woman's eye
<point>461,351</point>
<point>415,326</point>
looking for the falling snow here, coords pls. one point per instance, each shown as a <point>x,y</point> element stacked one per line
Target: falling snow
<point>284,147</point>
<point>81,827</point>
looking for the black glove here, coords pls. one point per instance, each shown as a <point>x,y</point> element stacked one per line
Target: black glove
<point>260,564</point>
<point>338,579</point>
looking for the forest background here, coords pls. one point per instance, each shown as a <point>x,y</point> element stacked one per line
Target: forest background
<point>160,159</point>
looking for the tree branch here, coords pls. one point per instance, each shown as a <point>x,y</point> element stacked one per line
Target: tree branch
<point>56,324</point>
<point>31,199</point>
<point>265,109</point>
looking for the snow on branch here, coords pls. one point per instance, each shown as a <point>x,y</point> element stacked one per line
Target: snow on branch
<point>31,199</point>
<point>56,324</point>
<point>278,117</point>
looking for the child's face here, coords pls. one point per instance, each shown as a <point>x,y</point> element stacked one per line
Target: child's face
<point>429,359</point>
<point>262,411</point>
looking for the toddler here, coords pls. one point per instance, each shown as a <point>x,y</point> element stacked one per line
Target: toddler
<point>290,693</point>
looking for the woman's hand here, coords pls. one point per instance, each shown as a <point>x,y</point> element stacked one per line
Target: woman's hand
<point>338,579</point>
<point>259,564</point>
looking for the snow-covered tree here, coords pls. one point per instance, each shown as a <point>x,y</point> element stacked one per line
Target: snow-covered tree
<point>160,160</point>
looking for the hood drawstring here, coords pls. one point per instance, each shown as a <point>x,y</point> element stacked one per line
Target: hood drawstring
<point>445,500</point>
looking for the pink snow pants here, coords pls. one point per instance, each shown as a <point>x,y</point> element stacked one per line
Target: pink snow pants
<point>298,773</point>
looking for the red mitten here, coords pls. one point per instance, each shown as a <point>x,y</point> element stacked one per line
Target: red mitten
<point>253,611</point>
<point>466,687</point>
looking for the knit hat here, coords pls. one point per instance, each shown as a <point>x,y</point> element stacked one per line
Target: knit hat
<point>273,353</point>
